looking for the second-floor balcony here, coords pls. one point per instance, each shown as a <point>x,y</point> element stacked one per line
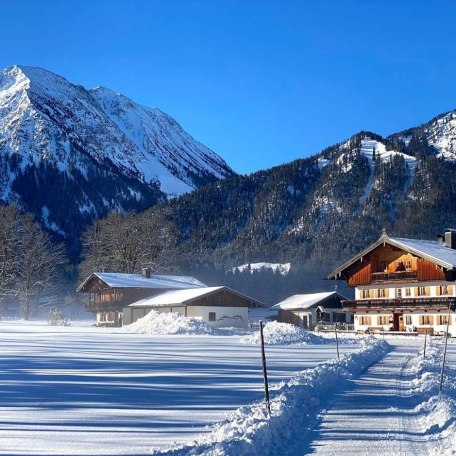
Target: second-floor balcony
<point>398,276</point>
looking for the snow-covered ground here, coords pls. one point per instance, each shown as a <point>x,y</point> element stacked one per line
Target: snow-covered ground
<point>92,391</point>
<point>85,390</point>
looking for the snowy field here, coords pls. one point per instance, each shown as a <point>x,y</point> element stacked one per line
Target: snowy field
<point>84,390</point>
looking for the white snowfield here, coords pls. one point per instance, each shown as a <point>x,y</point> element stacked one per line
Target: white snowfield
<point>98,391</point>
<point>93,391</point>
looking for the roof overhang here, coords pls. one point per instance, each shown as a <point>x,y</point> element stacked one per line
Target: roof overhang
<point>385,239</point>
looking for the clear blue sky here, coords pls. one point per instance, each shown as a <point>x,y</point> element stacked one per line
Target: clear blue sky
<point>260,82</point>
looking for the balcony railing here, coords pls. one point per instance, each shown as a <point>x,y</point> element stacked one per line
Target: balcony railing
<point>406,303</point>
<point>379,277</point>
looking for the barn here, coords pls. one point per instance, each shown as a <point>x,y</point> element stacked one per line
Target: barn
<point>218,306</point>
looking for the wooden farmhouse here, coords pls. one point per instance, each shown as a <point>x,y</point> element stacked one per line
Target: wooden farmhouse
<point>218,306</point>
<point>309,310</point>
<point>109,293</point>
<point>403,284</point>
<point>119,299</point>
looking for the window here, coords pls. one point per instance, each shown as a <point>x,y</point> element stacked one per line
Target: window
<point>365,294</point>
<point>426,320</point>
<point>398,293</point>
<point>443,289</point>
<point>442,319</point>
<point>212,316</point>
<point>421,291</point>
<point>408,292</point>
<point>364,321</point>
<point>381,293</point>
<point>408,319</point>
<point>383,320</point>
<point>408,264</point>
<point>383,266</point>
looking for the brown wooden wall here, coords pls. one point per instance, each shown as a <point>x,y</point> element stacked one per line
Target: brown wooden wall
<point>395,259</point>
<point>222,298</point>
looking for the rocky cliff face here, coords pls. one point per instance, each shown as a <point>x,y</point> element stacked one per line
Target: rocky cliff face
<point>70,155</point>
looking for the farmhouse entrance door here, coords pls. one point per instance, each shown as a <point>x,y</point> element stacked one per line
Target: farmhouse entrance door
<point>398,322</point>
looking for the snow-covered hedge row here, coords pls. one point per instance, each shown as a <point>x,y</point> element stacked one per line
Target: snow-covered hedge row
<point>438,411</point>
<point>294,405</point>
<point>276,333</point>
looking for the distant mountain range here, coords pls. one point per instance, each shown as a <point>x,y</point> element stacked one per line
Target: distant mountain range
<point>69,155</point>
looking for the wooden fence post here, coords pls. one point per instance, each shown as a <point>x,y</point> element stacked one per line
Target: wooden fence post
<point>265,372</point>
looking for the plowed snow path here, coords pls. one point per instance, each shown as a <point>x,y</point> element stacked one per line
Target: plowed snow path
<point>376,414</point>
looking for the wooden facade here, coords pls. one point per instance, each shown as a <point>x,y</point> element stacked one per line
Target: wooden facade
<point>388,264</point>
<point>402,285</point>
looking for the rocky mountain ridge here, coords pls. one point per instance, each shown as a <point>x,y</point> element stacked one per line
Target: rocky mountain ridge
<point>70,155</point>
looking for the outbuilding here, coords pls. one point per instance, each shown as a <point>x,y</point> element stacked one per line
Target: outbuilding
<point>219,306</point>
<point>309,310</point>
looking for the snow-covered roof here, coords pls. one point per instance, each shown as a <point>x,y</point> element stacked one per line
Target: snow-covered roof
<point>303,301</point>
<point>119,280</point>
<point>185,296</point>
<point>434,251</point>
<point>175,297</point>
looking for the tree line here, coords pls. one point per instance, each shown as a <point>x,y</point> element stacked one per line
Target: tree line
<point>30,262</point>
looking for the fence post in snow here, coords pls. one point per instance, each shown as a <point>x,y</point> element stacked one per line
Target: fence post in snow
<point>445,349</point>
<point>265,372</point>
<point>424,350</point>
<point>337,341</point>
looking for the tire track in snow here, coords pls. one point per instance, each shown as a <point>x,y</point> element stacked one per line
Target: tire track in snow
<point>377,414</point>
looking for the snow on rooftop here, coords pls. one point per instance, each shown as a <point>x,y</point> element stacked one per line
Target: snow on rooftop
<point>433,249</point>
<point>175,297</point>
<point>155,281</point>
<point>303,301</point>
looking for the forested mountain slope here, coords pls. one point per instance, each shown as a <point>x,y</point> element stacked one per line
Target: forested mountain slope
<point>319,211</point>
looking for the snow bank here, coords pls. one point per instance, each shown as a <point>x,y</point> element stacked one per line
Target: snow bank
<point>276,333</point>
<point>169,323</point>
<point>294,406</point>
<point>438,410</point>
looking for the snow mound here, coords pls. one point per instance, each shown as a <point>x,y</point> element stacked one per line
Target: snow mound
<point>156,323</point>
<point>438,409</point>
<point>276,333</point>
<point>294,407</point>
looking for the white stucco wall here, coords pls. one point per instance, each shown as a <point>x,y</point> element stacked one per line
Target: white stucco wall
<point>224,316</point>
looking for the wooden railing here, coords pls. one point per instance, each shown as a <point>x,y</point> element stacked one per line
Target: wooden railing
<point>390,304</point>
<point>379,277</point>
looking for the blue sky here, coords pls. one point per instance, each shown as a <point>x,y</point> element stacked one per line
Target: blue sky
<point>260,82</point>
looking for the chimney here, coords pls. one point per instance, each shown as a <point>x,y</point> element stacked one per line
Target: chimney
<point>450,238</point>
<point>146,272</point>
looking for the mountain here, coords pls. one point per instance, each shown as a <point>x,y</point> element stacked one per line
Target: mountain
<point>70,155</point>
<point>319,211</point>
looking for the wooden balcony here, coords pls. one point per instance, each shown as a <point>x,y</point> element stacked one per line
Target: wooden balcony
<point>399,276</point>
<point>393,305</point>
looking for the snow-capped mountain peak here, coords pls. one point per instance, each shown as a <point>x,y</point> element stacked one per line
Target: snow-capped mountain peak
<point>75,154</point>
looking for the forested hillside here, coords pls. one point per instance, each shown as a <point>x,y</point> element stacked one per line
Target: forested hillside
<point>315,212</point>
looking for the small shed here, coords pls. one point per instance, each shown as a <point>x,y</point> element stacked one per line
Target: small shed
<point>218,306</point>
<point>309,310</point>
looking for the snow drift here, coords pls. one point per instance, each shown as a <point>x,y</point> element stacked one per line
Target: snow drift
<point>438,410</point>
<point>276,333</point>
<point>294,405</point>
<point>156,323</point>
